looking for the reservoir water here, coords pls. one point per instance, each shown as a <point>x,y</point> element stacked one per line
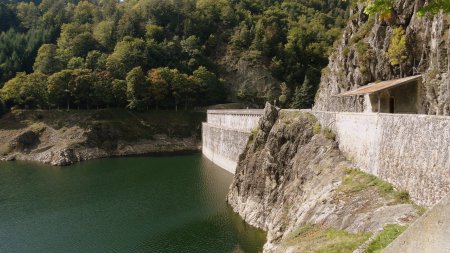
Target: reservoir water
<point>135,204</point>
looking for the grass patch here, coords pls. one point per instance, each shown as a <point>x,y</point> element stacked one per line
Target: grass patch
<point>312,238</point>
<point>317,128</point>
<point>328,133</point>
<point>385,237</point>
<point>253,134</point>
<point>363,30</point>
<point>355,180</point>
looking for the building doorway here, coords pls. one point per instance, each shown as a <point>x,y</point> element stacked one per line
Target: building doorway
<point>391,104</point>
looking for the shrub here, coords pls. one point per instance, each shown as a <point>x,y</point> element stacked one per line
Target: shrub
<point>329,134</point>
<point>385,237</point>
<point>317,128</point>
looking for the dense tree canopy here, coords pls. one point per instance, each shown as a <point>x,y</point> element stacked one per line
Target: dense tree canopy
<point>158,53</point>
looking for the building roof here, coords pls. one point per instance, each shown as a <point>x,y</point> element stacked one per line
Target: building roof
<point>384,85</point>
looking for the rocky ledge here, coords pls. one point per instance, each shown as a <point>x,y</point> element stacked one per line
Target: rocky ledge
<point>292,176</point>
<point>67,138</point>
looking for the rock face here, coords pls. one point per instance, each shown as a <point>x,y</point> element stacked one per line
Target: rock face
<point>360,57</point>
<point>291,175</point>
<point>249,76</point>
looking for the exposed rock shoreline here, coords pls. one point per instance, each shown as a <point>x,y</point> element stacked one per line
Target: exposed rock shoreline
<point>292,175</point>
<point>60,145</point>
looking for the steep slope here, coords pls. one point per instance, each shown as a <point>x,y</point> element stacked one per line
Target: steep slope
<point>292,174</point>
<point>360,57</point>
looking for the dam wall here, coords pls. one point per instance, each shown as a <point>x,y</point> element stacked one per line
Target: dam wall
<point>225,135</point>
<point>410,151</point>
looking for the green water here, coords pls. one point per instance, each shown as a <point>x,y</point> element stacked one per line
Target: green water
<point>136,204</point>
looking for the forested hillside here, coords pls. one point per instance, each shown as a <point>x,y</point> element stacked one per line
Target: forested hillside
<point>160,53</point>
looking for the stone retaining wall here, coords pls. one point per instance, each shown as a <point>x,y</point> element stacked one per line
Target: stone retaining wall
<point>410,151</point>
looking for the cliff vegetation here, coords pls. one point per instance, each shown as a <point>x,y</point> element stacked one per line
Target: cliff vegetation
<point>386,40</point>
<point>293,182</point>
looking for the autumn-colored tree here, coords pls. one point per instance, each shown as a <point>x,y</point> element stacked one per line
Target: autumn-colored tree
<point>159,88</point>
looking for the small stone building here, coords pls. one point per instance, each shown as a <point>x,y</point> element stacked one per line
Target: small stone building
<point>393,96</point>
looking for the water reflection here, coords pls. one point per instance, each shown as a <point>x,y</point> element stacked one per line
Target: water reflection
<point>139,204</point>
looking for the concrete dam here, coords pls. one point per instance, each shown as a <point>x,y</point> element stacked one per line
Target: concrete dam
<point>225,134</point>
<point>410,151</point>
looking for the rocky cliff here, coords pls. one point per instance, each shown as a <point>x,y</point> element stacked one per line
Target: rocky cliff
<point>63,138</point>
<point>248,77</point>
<point>360,57</point>
<point>292,175</point>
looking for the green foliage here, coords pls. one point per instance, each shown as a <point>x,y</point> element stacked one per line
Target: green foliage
<point>75,63</point>
<point>75,40</point>
<point>119,92</point>
<point>137,88</point>
<point>382,7</point>
<point>18,50</point>
<point>212,88</point>
<point>363,30</point>
<point>329,134</point>
<point>356,180</point>
<point>93,40</point>
<point>317,128</point>
<point>27,91</point>
<point>253,134</point>
<point>285,94</point>
<point>385,237</point>
<point>28,14</point>
<point>46,60</point>
<point>314,238</point>
<point>58,88</point>
<point>159,87</point>
<point>154,32</point>
<point>434,6</point>
<point>128,53</point>
<point>304,94</point>
<point>397,47</point>
<point>104,34</point>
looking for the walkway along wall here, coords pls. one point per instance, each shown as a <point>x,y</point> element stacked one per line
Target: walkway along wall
<point>410,151</point>
<point>225,135</point>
